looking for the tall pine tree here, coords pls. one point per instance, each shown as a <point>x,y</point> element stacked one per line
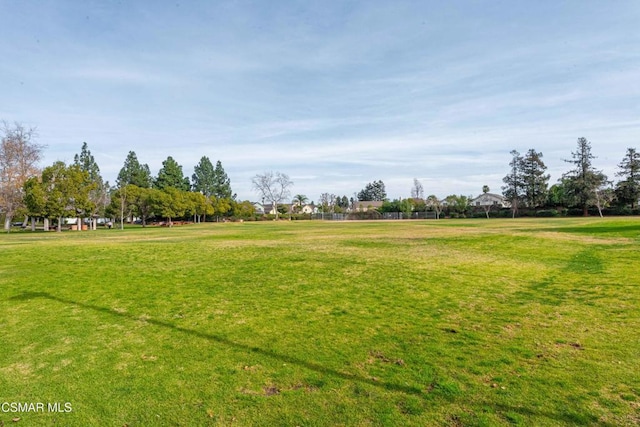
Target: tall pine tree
<point>584,181</point>
<point>628,190</point>
<point>134,173</point>
<point>373,191</point>
<point>534,180</point>
<point>171,176</point>
<point>513,188</point>
<point>221,183</point>
<point>99,193</point>
<point>203,179</point>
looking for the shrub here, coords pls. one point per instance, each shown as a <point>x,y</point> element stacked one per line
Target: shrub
<point>547,213</point>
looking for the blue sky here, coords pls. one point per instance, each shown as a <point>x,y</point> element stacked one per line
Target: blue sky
<point>334,93</point>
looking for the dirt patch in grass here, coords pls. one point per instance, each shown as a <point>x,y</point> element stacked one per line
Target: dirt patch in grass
<point>567,237</point>
<point>24,370</point>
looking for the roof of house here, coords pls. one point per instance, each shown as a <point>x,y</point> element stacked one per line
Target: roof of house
<point>497,196</point>
<point>372,203</point>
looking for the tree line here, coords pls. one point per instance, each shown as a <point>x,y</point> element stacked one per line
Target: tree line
<point>582,187</point>
<point>171,194</point>
<point>526,188</point>
<point>78,190</point>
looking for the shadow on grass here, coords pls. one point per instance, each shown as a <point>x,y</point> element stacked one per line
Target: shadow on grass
<point>556,289</point>
<point>629,230</point>
<point>512,414</point>
<point>27,296</point>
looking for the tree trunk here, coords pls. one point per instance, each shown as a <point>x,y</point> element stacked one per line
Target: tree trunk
<point>79,223</point>
<point>33,224</point>
<point>598,205</point>
<point>45,224</point>
<point>585,210</point>
<point>121,212</point>
<point>7,223</point>
<point>59,229</point>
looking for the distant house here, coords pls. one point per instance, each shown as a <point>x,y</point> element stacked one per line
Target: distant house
<point>308,208</point>
<point>259,208</point>
<point>489,199</point>
<point>270,209</point>
<point>367,205</point>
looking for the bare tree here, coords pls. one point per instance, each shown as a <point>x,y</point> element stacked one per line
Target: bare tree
<point>328,202</point>
<point>19,156</point>
<point>603,195</point>
<point>274,187</point>
<point>434,203</point>
<point>417,191</point>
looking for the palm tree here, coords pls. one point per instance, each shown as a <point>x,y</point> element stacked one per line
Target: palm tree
<point>299,200</point>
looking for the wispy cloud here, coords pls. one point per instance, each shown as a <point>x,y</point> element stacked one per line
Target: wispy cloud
<point>99,73</point>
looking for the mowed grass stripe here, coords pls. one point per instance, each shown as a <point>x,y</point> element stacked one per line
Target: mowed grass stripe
<point>466,322</point>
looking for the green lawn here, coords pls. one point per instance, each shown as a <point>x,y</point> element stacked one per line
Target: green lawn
<point>452,322</point>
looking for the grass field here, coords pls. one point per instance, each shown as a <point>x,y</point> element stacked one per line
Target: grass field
<point>456,322</point>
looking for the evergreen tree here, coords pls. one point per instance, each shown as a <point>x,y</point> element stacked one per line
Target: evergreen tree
<point>221,183</point>
<point>170,203</point>
<point>87,163</point>
<point>134,173</point>
<point>628,190</point>
<point>67,190</point>
<point>583,182</point>
<point>57,192</point>
<point>82,198</point>
<point>534,180</point>
<point>342,202</point>
<point>35,198</point>
<point>171,176</point>
<point>203,179</point>
<point>373,191</point>
<point>513,188</point>
<point>556,196</point>
<point>99,195</point>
